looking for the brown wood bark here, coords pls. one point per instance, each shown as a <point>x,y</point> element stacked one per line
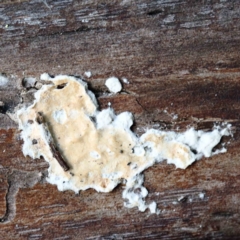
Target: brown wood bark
<point>181,56</point>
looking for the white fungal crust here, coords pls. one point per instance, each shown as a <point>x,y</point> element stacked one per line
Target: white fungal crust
<point>88,74</point>
<point>3,80</point>
<point>99,146</point>
<point>113,85</point>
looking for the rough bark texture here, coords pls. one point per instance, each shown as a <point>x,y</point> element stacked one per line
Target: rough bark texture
<point>181,56</point>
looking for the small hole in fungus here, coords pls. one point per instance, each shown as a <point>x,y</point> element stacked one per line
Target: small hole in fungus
<point>121,151</point>
<point>39,118</point>
<point>34,141</point>
<point>194,151</point>
<point>129,163</point>
<point>30,121</point>
<point>137,190</point>
<point>92,118</point>
<point>61,86</point>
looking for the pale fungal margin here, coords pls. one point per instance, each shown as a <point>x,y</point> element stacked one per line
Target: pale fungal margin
<point>98,146</point>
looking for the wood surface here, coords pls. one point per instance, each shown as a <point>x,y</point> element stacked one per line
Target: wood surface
<point>178,55</point>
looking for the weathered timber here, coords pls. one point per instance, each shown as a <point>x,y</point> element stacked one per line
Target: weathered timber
<point>181,56</point>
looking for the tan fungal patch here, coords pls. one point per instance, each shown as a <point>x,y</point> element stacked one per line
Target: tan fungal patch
<point>98,158</point>
<point>98,147</point>
<point>172,151</point>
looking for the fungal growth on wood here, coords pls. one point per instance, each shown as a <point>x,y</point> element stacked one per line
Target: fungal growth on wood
<point>98,147</point>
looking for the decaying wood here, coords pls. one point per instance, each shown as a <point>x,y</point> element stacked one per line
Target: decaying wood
<point>180,57</point>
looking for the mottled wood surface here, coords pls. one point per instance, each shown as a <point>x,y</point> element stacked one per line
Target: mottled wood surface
<point>181,56</point>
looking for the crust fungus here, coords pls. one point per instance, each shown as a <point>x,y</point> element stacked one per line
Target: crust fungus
<point>96,148</point>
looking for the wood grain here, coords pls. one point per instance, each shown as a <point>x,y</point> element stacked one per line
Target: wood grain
<point>181,56</point>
